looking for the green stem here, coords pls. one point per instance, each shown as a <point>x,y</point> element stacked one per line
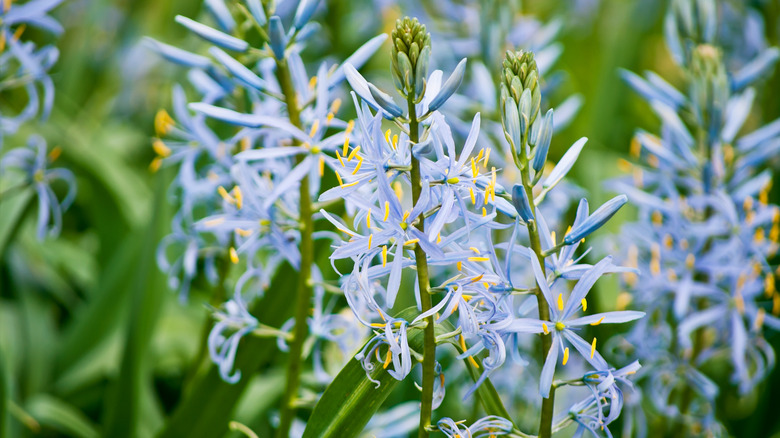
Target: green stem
<point>548,404</point>
<point>429,338</point>
<point>304,292</point>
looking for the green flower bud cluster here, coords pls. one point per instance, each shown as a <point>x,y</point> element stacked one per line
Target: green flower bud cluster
<point>709,83</point>
<point>411,55</point>
<point>520,83</point>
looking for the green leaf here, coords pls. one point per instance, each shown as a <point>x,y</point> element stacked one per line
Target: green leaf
<point>5,395</point>
<point>209,404</point>
<point>352,399</point>
<point>51,412</point>
<point>13,208</point>
<point>124,402</point>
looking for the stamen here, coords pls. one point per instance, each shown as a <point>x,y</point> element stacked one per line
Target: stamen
<point>314,127</point>
<point>357,167</point>
<point>384,255</point>
<point>322,165</point>
<point>350,127</point>
<point>597,322</point>
<point>225,195</point>
<point>345,149</point>
<point>239,197</point>
<point>214,222</point>
<point>243,233</point>
<point>584,304</point>
<point>398,189</point>
<point>334,107</point>
<point>565,355</point>
<point>473,168</point>
<point>487,156</point>
<point>159,148</point>
<point>353,153</point>
<point>473,198</point>
<point>478,259</point>
<point>368,219</point>
<point>593,348</point>
<point>460,266</point>
<point>546,329</point>
<point>370,237</point>
<point>233,255</point>
<point>387,360</point>
<point>312,82</point>
<point>560,301</point>
<point>474,249</point>
<point>387,211</point>
<point>411,241</point>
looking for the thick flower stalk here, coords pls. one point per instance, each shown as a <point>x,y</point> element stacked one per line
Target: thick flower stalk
<point>443,236</point>
<point>247,200</point>
<point>706,232</point>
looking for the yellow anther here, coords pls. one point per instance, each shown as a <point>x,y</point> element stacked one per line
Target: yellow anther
<point>411,241</point>
<point>568,230</point>
<point>684,244</point>
<point>55,153</point>
<point>624,165</point>
<point>345,148</point>
<point>747,204</point>
<point>477,278</point>
<point>739,303</point>
<point>473,198</point>
<point>546,329</point>
<point>353,153</point>
<point>405,216</point>
<point>728,154</point>
<point>453,180</point>
<point>484,212</point>
<point>668,241</point>
<point>597,322</point>
<point>341,181</point>
<point>776,304</point>
<point>655,261</point>
<point>321,168</point>
<point>759,322</point>
<point>329,118</point>
<point>463,347</point>
<point>741,281</point>
<point>636,147</point>
<point>214,222</point>
<point>387,138</point>
<point>476,250</point>
<point>473,168</point>
<point>163,122</point>
<point>671,274</point>
<point>384,255</point>
<point>225,195</point>
<point>239,195</point>
<point>381,315</point>
<point>312,82</point>
<point>552,237</point>
<point>368,219</point>
<point>388,359</point>
<point>154,166</point>
<point>334,107</point>
<point>370,237</point>
<point>243,233</point>
<point>314,127</point>
<point>657,218</point>
<point>638,177</point>
<point>584,304</point>
<point>759,236</point>
<point>233,255</point>
<point>593,348</point>
<point>487,194</point>
<point>357,166</point>
<point>160,148</point>
<point>353,183</point>
<point>622,301</point>
<point>769,285</point>
<point>387,211</point>
<point>480,154</point>
<point>478,259</point>
<point>487,156</point>
<point>763,196</point>
<point>395,141</point>
<point>690,261</point>
<point>460,266</point>
<point>565,355</point>
<point>350,127</point>
<point>560,301</point>
<point>398,189</point>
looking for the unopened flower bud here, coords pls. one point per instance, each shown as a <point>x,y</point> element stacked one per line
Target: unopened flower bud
<point>411,55</point>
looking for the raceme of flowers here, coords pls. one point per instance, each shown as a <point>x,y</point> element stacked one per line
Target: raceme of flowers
<point>706,233</point>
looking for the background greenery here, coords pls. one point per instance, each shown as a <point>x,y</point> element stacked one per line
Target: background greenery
<point>93,343</point>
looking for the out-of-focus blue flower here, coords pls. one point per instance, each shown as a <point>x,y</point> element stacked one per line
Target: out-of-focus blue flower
<point>484,427</point>
<point>34,161</point>
<point>232,324</point>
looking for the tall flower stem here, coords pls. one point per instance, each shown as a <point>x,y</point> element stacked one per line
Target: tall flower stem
<point>429,339</point>
<point>304,292</point>
<point>548,404</point>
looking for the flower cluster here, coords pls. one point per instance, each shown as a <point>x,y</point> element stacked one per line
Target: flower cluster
<point>24,70</point>
<point>424,206</point>
<point>706,232</point>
